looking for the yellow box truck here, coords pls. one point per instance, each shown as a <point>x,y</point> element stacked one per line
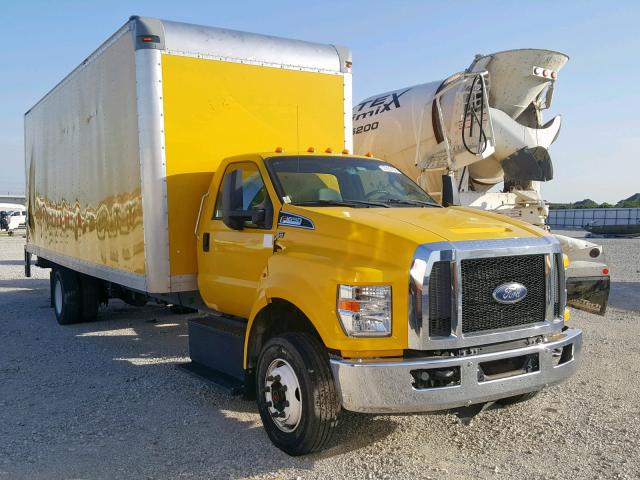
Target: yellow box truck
<point>210,169</point>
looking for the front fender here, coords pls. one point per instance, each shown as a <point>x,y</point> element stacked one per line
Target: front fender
<point>311,285</point>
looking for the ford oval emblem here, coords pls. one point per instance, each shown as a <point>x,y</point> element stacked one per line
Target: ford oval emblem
<point>511,292</point>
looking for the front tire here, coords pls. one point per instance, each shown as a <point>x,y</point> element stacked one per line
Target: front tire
<point>296,393</point>
<point>67,301</point>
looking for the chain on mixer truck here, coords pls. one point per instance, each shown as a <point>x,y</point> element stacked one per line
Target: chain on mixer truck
<point>210,169</point>
<point>482,127</point>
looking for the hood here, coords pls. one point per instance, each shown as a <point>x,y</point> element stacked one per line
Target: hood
<point>418,225</point>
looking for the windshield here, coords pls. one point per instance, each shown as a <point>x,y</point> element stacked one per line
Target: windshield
<point>357,182</point>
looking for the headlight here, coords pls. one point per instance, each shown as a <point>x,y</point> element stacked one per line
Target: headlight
<point>365,311</point>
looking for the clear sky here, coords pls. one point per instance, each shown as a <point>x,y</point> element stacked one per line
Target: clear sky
<point>394,44</point>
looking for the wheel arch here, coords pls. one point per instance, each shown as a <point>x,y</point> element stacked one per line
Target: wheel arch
<point>276,317</point>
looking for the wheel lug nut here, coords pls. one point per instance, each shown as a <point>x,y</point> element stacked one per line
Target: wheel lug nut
<point>276,378</point>
<point>286,403</point>
<point>269,404</point>
<point>266,389</point>
<point>284,388</point>
<point>269,378</point>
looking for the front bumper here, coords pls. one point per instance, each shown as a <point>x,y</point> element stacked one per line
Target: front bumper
<point>377,386</point>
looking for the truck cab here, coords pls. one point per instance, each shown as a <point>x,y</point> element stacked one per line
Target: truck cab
<point>354,289</point>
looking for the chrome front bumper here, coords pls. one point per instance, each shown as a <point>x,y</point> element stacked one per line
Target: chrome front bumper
<point>377,386</point>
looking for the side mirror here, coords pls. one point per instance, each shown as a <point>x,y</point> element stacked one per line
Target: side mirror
<point>449,191</point>
<point>232,199</point>
<point>258,216</point>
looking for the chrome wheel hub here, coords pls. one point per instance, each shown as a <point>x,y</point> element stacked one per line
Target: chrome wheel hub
<point>282,394</point>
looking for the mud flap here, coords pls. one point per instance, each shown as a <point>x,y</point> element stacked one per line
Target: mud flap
<point>27,264</point>
<point>589,294</point>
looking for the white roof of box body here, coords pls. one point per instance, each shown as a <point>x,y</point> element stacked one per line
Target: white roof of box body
<point>220,43</point>
<point>196,40</point>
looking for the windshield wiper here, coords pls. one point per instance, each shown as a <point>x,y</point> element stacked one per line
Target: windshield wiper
<point>411,202</point>
<point>342,203</point>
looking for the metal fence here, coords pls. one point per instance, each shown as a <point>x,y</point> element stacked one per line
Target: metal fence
<point>578,217</point>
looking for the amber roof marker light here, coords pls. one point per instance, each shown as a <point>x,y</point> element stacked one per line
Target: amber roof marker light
<point>149,38</point>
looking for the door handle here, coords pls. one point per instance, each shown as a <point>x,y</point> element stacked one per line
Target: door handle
<point>205,242</point>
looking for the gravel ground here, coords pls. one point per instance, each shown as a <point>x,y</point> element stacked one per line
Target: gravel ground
<point>105,400</point>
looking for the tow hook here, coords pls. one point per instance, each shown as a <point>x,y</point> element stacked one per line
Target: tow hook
<point>435,377</point>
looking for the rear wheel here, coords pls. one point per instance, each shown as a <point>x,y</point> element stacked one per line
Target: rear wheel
<point>517,398</point>
<point>66,297</point>
<point>296,393</point>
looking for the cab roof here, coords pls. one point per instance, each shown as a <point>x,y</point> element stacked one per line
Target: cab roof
<point>285,153</point>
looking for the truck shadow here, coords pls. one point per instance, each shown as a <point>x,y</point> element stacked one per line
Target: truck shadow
<point>212,420</point>
<point>35,284</point>
<point>129,356</point>
<point>12,262</point>
<point>625,296</point>
<point>355,431</point>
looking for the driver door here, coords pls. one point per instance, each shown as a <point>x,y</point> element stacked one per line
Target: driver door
<point>233,255</point>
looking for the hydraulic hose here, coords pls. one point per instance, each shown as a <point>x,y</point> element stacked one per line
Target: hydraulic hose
<point>470,107</point>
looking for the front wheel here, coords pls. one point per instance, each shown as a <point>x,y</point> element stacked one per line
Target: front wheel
<point>296,393</point>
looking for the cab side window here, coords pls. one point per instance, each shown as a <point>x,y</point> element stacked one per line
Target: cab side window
<point>248,195</point>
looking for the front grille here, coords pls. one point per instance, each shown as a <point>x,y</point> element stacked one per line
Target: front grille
<point>440,300</point>
<point>480,276</point>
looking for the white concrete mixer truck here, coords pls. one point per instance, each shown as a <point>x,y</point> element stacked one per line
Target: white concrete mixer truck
<point>477,129</point>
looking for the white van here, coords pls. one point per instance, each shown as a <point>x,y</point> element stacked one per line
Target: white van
<point>16,216</point>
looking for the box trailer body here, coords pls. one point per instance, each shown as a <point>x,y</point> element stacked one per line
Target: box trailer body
<point>119,153</point>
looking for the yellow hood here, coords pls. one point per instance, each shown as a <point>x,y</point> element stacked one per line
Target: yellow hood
<point>419,225</point>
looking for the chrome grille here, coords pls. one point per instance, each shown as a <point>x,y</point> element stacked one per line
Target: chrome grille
<point>480,276</point>
<point>440,300</point>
